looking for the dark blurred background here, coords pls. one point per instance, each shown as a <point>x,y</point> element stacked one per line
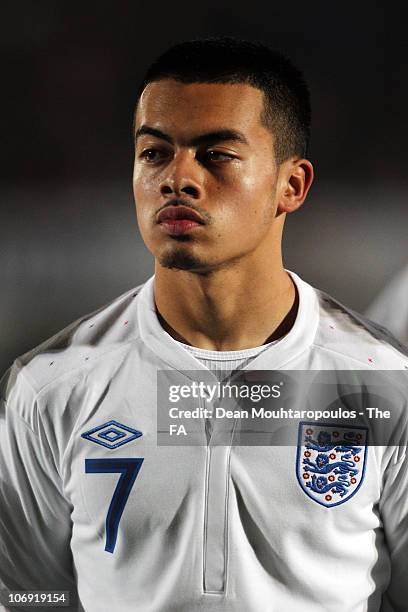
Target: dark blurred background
<point>68,236</point>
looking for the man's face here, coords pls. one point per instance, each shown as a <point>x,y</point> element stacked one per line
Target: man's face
<point>205,174</point>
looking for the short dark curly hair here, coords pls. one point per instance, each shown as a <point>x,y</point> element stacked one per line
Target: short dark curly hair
<point>287,111</point>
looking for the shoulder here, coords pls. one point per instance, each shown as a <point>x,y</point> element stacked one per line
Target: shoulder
<point>390,308</point>
<point>67,355</point>
<point>355,338</point>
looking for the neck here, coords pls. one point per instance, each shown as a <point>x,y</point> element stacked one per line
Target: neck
<point>231,309</point>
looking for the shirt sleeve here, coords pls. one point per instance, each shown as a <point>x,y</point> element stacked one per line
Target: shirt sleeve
<point>394,512</point>
<point>35,523</point>
<point>390,307</point>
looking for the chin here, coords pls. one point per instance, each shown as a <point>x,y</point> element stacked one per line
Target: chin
<point>180,259</point>
<point>179,256</point>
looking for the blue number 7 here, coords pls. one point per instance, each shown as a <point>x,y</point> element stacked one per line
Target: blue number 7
<point>128,469</point>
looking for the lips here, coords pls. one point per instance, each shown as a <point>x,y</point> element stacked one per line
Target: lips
<point>178,220</point>
<point>179,213</point>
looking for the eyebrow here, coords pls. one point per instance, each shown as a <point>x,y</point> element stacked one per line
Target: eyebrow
<point>220,135</point>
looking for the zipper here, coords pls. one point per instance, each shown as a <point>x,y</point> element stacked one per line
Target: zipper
<point>215,536</point>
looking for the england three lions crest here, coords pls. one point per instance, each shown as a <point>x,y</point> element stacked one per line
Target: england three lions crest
<point>331,461</point>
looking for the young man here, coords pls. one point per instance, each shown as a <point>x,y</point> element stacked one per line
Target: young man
<point>89,500</point>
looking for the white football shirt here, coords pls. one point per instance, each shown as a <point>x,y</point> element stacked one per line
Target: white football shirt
<point>90,503</point>
<point>390,307</point>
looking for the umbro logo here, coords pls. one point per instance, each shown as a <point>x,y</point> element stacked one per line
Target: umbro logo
<point>112,434</point>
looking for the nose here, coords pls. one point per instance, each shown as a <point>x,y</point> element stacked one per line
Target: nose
<point>183,177</point>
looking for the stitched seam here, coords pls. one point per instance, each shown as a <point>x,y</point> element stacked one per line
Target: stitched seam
<point>78,369</point>
<point>330,350</point>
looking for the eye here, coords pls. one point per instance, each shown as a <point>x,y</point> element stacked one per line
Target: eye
<point>152,155</point>
<point>216,156</point>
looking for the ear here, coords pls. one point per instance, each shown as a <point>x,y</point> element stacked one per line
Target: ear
<point>296,177</point>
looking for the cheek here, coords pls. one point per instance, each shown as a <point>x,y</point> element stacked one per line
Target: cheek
<point>143,188</point>
<point>260,179</point>
<point>143,202</point>
<point>247,198</point>
<point>139,179</point>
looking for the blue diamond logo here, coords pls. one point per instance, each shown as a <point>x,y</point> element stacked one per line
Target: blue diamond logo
<point>112,434</point>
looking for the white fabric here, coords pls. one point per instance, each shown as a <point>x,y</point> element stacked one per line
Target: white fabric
<point>390,307</point>
<point>205,528</point>
<point>222,363</point>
